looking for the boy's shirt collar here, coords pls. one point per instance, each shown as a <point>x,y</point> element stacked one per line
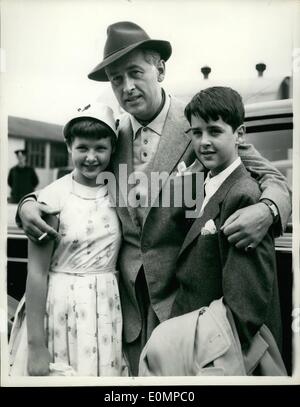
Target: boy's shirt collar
<point>220,178</point>
<point>212,184</point>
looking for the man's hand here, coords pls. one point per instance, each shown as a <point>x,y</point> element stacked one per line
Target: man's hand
<point>34,226</point>
<point>38,361</point>
<point>248,226</point>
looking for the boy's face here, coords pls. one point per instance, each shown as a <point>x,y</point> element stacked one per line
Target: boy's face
<point>215,143</point>
<point>90,157</point>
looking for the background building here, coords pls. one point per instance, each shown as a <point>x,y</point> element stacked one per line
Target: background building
<point>46,150</point>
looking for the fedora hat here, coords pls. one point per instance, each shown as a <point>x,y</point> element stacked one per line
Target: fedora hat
<point>123,37</point>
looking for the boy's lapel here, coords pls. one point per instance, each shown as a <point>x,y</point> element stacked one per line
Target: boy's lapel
<point>212,208</point>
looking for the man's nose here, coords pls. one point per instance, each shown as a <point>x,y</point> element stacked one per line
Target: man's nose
<point>128,84</point>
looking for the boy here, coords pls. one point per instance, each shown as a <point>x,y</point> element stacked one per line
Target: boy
<point>208,266</point>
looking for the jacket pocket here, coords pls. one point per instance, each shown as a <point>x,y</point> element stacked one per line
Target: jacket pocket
<point>211,371</point>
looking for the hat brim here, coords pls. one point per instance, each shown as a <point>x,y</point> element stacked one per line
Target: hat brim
<point>164,48</point>
<point>75,119</point>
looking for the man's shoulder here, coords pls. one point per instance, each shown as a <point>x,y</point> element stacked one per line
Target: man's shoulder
<point>177,105</point>
<point>244,187</point>
<point>177,101</point>
<point>123,121</point>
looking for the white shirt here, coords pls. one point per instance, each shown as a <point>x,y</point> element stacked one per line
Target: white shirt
<point>212,184</point>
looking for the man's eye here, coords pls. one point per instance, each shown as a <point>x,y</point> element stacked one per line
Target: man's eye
<point>116,80</point>
<point>136,74</point>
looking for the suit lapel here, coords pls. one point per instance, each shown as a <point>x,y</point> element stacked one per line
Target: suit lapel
<point>124,155</point>
<point>212,208</point>
<point>174,141</point>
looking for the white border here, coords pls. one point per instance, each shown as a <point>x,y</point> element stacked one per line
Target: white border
<point>159,381</point>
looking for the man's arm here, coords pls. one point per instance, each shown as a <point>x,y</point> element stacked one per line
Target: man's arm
<point>248,226</point>
<point>30,215</point>
<point>35,179</point>
<point>9,178</point>
<point>272,183</point>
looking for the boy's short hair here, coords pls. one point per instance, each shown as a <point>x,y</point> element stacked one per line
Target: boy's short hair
<point>90,128</point>
<point>215,102</point>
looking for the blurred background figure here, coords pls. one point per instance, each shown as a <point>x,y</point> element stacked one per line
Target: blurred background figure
<point>22,178</point>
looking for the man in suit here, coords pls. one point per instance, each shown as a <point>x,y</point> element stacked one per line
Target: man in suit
<point>152,138</point>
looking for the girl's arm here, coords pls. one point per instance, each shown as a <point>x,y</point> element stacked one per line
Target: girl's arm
<point>39,257</point>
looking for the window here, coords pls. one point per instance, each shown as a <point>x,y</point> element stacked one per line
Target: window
<point>58,155</point>
<point>36,151</point>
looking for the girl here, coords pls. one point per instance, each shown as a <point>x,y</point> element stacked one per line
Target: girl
<point>73,315</point>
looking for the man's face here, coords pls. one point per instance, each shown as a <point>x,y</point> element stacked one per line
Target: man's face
<point>135,83</point>
<point>21,159</point>
<point>215,143</point>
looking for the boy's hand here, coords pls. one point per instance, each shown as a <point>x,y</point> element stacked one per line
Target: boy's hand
<point>38,361</point>
<point>34,226</point>
<point>248,226</point>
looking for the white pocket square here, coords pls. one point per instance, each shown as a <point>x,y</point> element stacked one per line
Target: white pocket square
<point>209,228</point>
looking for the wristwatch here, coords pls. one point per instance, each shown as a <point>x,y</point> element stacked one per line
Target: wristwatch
<point>272,207</point>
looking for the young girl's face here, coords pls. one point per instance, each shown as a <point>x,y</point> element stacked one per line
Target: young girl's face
<point>90,157</point>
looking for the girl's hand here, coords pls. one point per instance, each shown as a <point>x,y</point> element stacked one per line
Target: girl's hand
<point>38,361</point>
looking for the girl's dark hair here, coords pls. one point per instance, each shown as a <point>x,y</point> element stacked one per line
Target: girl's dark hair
<point>215,102</point>
<point>89,128</point>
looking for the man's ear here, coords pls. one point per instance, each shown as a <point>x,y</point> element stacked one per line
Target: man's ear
<point>161,69</point>
<point>240,134</point>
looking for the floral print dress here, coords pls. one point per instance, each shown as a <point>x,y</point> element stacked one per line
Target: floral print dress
<point>83,319</point>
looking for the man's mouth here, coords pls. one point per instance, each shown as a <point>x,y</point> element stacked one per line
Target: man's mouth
<point>133,99</point>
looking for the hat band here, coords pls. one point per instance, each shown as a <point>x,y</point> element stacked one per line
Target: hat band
<point>125,47</point>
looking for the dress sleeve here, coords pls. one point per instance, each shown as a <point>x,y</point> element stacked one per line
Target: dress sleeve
<point>55,193</point>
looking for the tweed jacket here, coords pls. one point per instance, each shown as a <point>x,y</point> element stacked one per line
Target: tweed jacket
<point>209,267</point>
